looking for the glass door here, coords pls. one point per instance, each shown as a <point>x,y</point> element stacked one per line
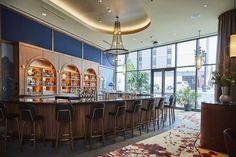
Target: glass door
<point>163,81</point>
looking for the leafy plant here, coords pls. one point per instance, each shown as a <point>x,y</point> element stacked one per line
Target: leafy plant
<point>226,79</point>
<point>186,96</point>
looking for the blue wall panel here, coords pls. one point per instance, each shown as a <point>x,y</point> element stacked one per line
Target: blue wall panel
<point>106,75</point>
<point>19,28</point>
<point>105,59</point>
<point>92,53</point>
<point>67,45</point>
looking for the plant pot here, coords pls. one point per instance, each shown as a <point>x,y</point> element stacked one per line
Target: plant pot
<point>187,107</point>
<point>224,98</point>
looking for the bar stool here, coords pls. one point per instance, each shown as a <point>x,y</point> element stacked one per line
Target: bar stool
<point>149,114</point>
<point>158,108</point>
<point>119,112</point>
<point>96,114</point>
<point>169,108</point>
<point>135,112</point>
<point>29,116</point>
<point>64,116</point>
<point>5,116</point>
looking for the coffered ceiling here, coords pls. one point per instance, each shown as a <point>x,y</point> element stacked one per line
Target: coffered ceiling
<point>142,21</point>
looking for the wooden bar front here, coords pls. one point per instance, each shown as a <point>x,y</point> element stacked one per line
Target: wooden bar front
<point>80,110</point>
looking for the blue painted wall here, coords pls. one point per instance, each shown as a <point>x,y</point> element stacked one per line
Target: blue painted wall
<point>19,28</point>
<point>67,45</point>
<point>106,75</point>
<point>105,59</point>
<point>92,53</point>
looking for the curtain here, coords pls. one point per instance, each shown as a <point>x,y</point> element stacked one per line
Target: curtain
<point>226,27</point>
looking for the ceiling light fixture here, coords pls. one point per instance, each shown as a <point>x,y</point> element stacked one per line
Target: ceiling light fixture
<point>198,54</point>
<point>117,47</point>
<point>44,14</point>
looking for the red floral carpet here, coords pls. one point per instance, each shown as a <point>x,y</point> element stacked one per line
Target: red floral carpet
<point>182,141</point>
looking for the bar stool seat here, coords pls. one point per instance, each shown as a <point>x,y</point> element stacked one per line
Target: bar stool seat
<point>64,115</point>
<point>28,115</point>
<point>119,111</point>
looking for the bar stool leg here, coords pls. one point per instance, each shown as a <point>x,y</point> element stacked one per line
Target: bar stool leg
<point>103,140</point>
<point>22,135</point>
<point>115,129</point>
<point>18,128</point>
<point>34,135</point>
<point>139,123</point>
<point>124,126</point>
<point>57,138</point>
<point>71,137</point>
<point>132,124</point>
<point>91,134</point>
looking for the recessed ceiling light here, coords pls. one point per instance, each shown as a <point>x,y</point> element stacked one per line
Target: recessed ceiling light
<point>44,14</point>
<point>100,21</point>
<point>141,41</point>
<point>195,16</point>
<point>109,10</point>
<point>205,5</point>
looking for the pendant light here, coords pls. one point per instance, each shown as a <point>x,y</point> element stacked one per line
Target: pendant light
<point>198,55</point>
<point>232,44</point>
<point>117,53</point>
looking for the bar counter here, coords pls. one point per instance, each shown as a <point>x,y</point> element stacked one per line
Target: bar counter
<point>46,108</point>
<point>215,117</point>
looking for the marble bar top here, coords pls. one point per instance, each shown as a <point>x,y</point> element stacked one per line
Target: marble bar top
<point>74,100</point>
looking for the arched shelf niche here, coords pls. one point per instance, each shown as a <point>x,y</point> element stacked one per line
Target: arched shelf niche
<point>41,78</point>
<point>70,79</point>
<point>90,80</point>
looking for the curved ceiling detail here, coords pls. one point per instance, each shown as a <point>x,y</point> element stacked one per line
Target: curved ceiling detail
<point>100,14</point>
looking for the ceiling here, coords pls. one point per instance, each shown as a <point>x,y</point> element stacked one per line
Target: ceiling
<point>92,21</point>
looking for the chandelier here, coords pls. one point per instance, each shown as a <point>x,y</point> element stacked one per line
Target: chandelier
<point>117,53</point>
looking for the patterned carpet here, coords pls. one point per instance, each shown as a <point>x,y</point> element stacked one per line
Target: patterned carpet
<point>182,141</point>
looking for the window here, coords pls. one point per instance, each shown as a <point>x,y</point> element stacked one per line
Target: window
<point>131,61</point>
<point>120,81</point>
<point>186,53</point>
<point>143,81</point>
<point>185,77</point>
<point>208,47</point>
<point>121,61</point>
<point>205,88</point>
<point>144,59</point>
<point>131,81</point>
<point>163,57</point>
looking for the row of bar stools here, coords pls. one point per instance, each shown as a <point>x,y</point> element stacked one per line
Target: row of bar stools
<point>119,112</point>
<point>96,115</point>
<point>64,116</point>
<point>149,114</point>
<point>5,116</point>
<point>28,116</point>
<point>135,112</point>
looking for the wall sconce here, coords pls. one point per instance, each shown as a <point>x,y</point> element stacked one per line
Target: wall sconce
<point>22,66</point>
<point>232,46</point>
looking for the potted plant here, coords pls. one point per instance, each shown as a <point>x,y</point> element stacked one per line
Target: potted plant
<point>186,97</point>
<point>224,81</point>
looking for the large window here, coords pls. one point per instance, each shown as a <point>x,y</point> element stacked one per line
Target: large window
<point>186,53</point>
<point>163,57</point>
<point>144,59</point>
<point>120,82</point>
<point>181,58</point>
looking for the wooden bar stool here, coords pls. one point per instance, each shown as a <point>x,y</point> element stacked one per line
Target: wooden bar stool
<point>64,116</point>
<point>95,116</point>
<point>169,108</point>
<point>28,116</point>
<point>6,116</point>
<point>119,112</point>
<point>159,108</point>
<point>135,114</point>
<point>149,114</point>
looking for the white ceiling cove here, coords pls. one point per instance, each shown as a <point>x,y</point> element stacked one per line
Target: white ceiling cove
<point>171,20</point>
